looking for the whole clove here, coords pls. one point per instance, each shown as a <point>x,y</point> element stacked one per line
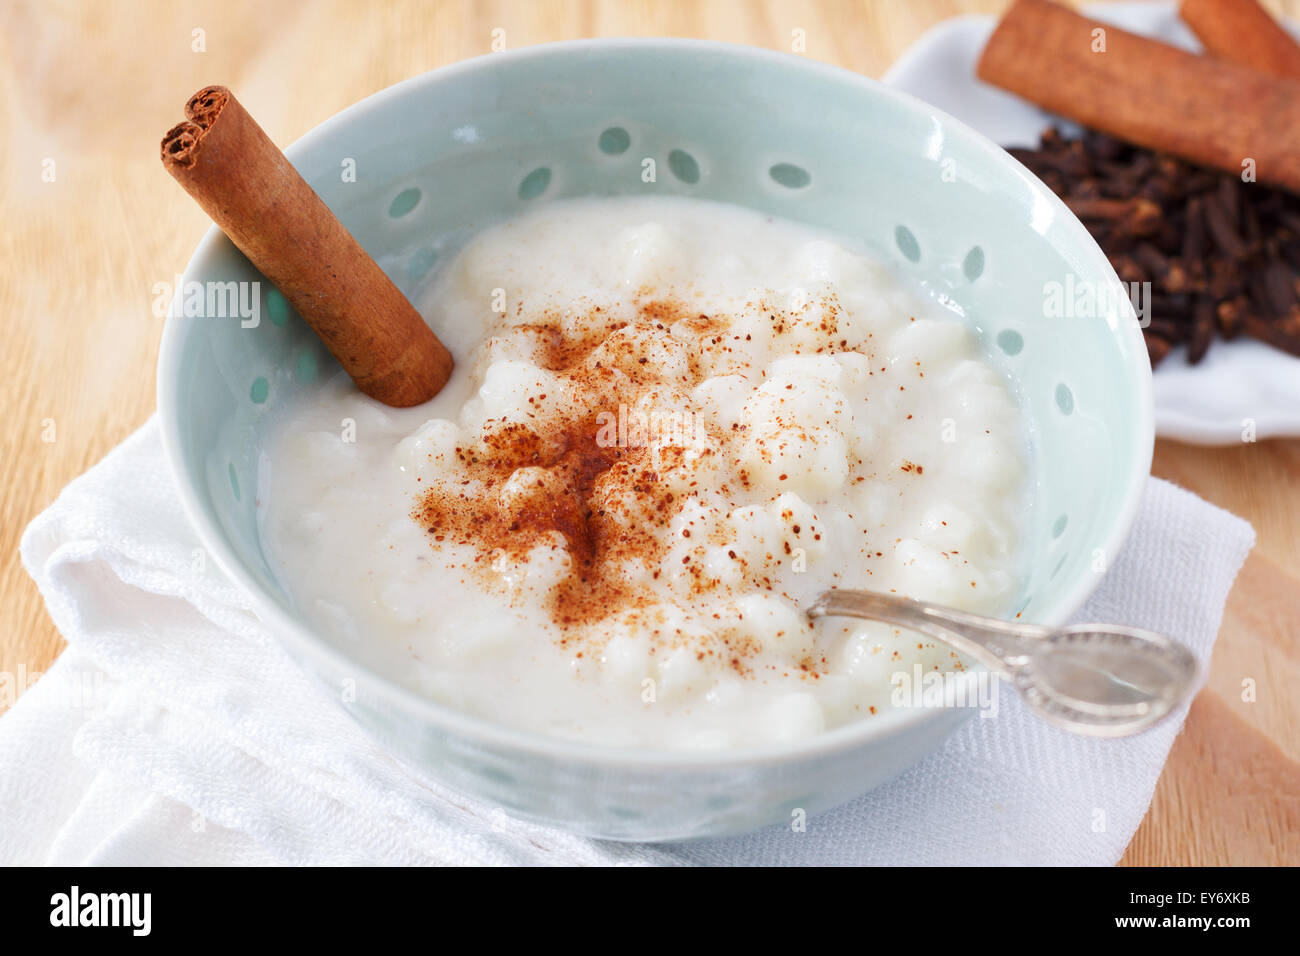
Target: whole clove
<point>1222,255</point>
<point>1202,329</point>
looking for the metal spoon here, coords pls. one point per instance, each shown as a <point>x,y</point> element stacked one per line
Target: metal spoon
<point>1094,679</point>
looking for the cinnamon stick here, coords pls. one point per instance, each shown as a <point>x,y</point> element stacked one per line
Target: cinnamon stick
<point>1242,31</point>
<point>1211,112</point>
<point>242,180</point>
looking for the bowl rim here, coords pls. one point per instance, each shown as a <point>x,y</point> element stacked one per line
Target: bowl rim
<point>483,731</point>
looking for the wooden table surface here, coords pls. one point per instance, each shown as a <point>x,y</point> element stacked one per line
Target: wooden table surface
<point>86,91</point>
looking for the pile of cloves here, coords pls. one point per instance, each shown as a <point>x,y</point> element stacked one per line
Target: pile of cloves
<point>1222,255</point>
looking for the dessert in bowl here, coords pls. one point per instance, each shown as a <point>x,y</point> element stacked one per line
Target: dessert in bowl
<point>716,353</point>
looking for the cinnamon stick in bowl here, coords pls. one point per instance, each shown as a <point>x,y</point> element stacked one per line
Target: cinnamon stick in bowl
<point>1210,112</point>
<point>1242,31</point>
<point>229,165</point>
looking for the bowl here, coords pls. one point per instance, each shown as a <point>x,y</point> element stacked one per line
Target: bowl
<point>440,156</point>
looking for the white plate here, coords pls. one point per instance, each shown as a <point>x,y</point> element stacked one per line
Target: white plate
<point>1239,385</point>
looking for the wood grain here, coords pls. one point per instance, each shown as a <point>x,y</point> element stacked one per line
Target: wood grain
<point>92,87</point>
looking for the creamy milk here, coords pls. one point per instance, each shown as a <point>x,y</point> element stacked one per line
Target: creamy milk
<point>673,423</point>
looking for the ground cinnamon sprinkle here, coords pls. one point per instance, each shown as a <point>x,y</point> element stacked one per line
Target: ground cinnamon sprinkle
<point>604,504</point>
<point>556,481</point>
<point>571,475</point>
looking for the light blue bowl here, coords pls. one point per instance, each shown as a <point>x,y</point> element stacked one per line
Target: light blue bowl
<point>445,154</point>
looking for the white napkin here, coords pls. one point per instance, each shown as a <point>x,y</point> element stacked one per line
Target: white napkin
<point>174,730</point>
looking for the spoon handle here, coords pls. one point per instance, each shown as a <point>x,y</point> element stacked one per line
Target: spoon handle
<point>998,645</point>
<point>1094,679</point>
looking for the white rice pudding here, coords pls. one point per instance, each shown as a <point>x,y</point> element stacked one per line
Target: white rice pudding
<point>672,425</point>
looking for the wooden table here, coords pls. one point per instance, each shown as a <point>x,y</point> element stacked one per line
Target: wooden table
<point>92,90</point>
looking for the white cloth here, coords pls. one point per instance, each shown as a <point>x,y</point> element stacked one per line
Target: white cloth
<point>174,729</point>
